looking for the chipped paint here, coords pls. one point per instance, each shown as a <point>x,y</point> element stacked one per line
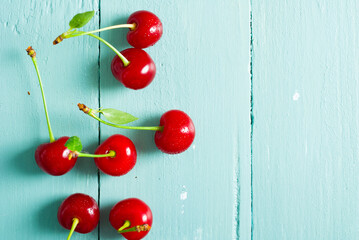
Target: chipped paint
<point>296,96</point>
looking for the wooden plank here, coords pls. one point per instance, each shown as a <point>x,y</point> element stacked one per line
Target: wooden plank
<point>202,69</point>
<point>305,135</point>
<point>29,197</point>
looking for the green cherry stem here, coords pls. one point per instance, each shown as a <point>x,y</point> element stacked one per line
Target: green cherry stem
<point>123,59</point>
<point>90,112</point>
<point>75,33</point>
<point>31,52</point>
<point>88,155</point>
<point>125,225</point>
<point>131,26</point>
<point>75,221</point>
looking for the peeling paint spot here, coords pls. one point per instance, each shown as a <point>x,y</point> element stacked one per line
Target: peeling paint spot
<point>183,193</point>
<point>296,96</point>
<point>183,196</point>
<point>198,234</point>
<point>15,30</point>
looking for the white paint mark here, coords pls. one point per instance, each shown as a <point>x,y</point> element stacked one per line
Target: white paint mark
<point>194,146</point>
<point>183,196</point>
<point>183,193</point>
<point>198,234</point>
<point>296,96</point>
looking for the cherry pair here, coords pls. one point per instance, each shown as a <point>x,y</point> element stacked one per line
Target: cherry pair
<point>130,217</point>
<point>117,155</point>
<point>133,67</point>
<point>174,134</point>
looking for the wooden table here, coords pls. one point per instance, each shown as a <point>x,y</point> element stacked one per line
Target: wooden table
<point>272,87</point>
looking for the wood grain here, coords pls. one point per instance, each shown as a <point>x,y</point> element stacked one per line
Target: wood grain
<point>299,152</point>
<point>202,61</point>
<point>202,68</point>
<point>305,132</point>
<point>29,197</point>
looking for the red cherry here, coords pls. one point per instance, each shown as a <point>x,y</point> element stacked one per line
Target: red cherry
<point>52,158</point>
<point>148,29</point>
<point>134,210</point>
<point>80,206</point>
<point>123,161</point>
<point>178,132</point>
<point>139,73</point>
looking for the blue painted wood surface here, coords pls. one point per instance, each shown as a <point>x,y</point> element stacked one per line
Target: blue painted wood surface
<point>271,87</point>
<point>29,197</point>
<point>305,129</point>
<point>202,68</point>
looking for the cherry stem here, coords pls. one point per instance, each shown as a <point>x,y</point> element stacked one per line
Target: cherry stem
<point>138,228</point>
<point>75,33</point>
<point>80,33</point>
<point>111,154</point>
<point>125,225</point>
<point>131,26</point>
<point>123,59</point>
<point>89,112</point>
<point>32,54</point>
<point>75,221</point>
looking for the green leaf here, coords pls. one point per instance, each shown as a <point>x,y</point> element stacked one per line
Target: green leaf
<point>81,19</point>
<point>74,144</point>
<point>117,116</point>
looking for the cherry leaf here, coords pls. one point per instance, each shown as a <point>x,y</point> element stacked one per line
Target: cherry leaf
<point>81,19</point>
<point>117,116</point>
<point>74,144</point>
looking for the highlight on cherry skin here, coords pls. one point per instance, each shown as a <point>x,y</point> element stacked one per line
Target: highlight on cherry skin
<point>175,133</point>
<point>78,212</point>
<point>145,28</point>
<point>51,157</point>
<point>132,218</point>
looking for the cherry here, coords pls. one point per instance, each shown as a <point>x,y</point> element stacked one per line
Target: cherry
<point>140,71</point>
<point>78,212</point>
<point>145,28</point>
<point>51,157</point>
<point>174,135</point>
<point>116,156</point>
<point>148,29</point>
<point>124,158</point>
<point>132,218</point>
<point>178,132</point>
